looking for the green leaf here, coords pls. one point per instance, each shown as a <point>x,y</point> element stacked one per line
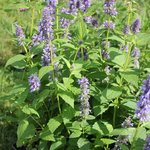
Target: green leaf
<point>75,134</point>
<point>67,16</point>
<point>137,139</point>
<point>83,144</point>
<point>25,131</point>
<point>102,128</point>
<point>28,110</point>
<point>107,141</point>
<point>67,62</point>
<point>116,38</point>
<point>69,45</point>
<point>46,135</point>
<point>67,97</point>
<point>54,123</point>
<point>111,93</point>
<point>67,114</point>
<point>44,70</point>
<point>15,59</point>
<point>131,77</point>
<point>58,144</point>
<point>119,60</point>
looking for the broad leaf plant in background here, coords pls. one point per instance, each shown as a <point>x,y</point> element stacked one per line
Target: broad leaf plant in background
<point>82,68</point>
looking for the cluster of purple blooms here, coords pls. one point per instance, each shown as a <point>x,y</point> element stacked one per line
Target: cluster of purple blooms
<point>135,27</point>
<point>46,56</point>
<point>84,96</point>
<point>125,47</point>
<point>143,106</point>
<point>109,25</point>
<point>136,55</point>
<point>74,6</point>
<point>147,144</point>
<point>20,34</point>
<point>109,9</point>
<point>34,83</point>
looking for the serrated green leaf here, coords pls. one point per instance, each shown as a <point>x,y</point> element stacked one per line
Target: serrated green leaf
<point>54,123</point>
<point>25,131</point>
<point>67,97</point>
<point>44,70</point>
<point>15,59</point>
<point>28,110</point>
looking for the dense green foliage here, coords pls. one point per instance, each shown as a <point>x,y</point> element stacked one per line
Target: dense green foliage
<point>50,118</point>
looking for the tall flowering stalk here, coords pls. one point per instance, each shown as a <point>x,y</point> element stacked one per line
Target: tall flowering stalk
<point>34,83</point>
<point>143,106</point>
<point>84,96</point>
<point>20,34</point>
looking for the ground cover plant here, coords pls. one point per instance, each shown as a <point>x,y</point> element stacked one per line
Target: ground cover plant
<point>84,79</point>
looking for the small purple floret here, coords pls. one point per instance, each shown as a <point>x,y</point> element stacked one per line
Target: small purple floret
<point>34,83</point>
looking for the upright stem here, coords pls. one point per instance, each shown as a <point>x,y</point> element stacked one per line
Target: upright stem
<point>136,131</point>
<point>59,104</point>
<point>51,53</point>
<point>32,22</point>
<point>115,112</point>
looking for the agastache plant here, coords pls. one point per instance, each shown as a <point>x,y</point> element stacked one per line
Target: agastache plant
<point>20,34</point>
<point>143,106</point>
<point>84,96</point>
<point>34,83</point>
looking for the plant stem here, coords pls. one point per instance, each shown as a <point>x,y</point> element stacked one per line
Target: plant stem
<point>136,131</point>
<point>115,112</point>
<point>51,56</point>
<point>32,22</point>
<point>58,104</point>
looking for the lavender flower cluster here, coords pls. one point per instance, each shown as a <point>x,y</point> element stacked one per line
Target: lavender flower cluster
<point>135,27</point>
<point>136,55</point>
<point>109,7</point>
<point>34,83</point>
<point>84,97</point>
<point>143,106</point>
<point>20,34</point>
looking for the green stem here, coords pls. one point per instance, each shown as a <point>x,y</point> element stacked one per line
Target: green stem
<point>32,22</point>
<point>51,56</point>
<point>59,104</point>
<point>37,122</point>
<point>115,112</point>
<point>136,131</point>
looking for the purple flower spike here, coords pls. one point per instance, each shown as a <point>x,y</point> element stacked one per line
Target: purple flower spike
<point>126,29</point>
<point>34,83</point>
<point>147,144</point>
<point>143,106</point>
<point>136,26</point>
<point>46,25</point>
<point>20,34</point>
<point>108,25</point>
<point>46,56</point>
<point>109,8</point>
<point>84,97</point>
